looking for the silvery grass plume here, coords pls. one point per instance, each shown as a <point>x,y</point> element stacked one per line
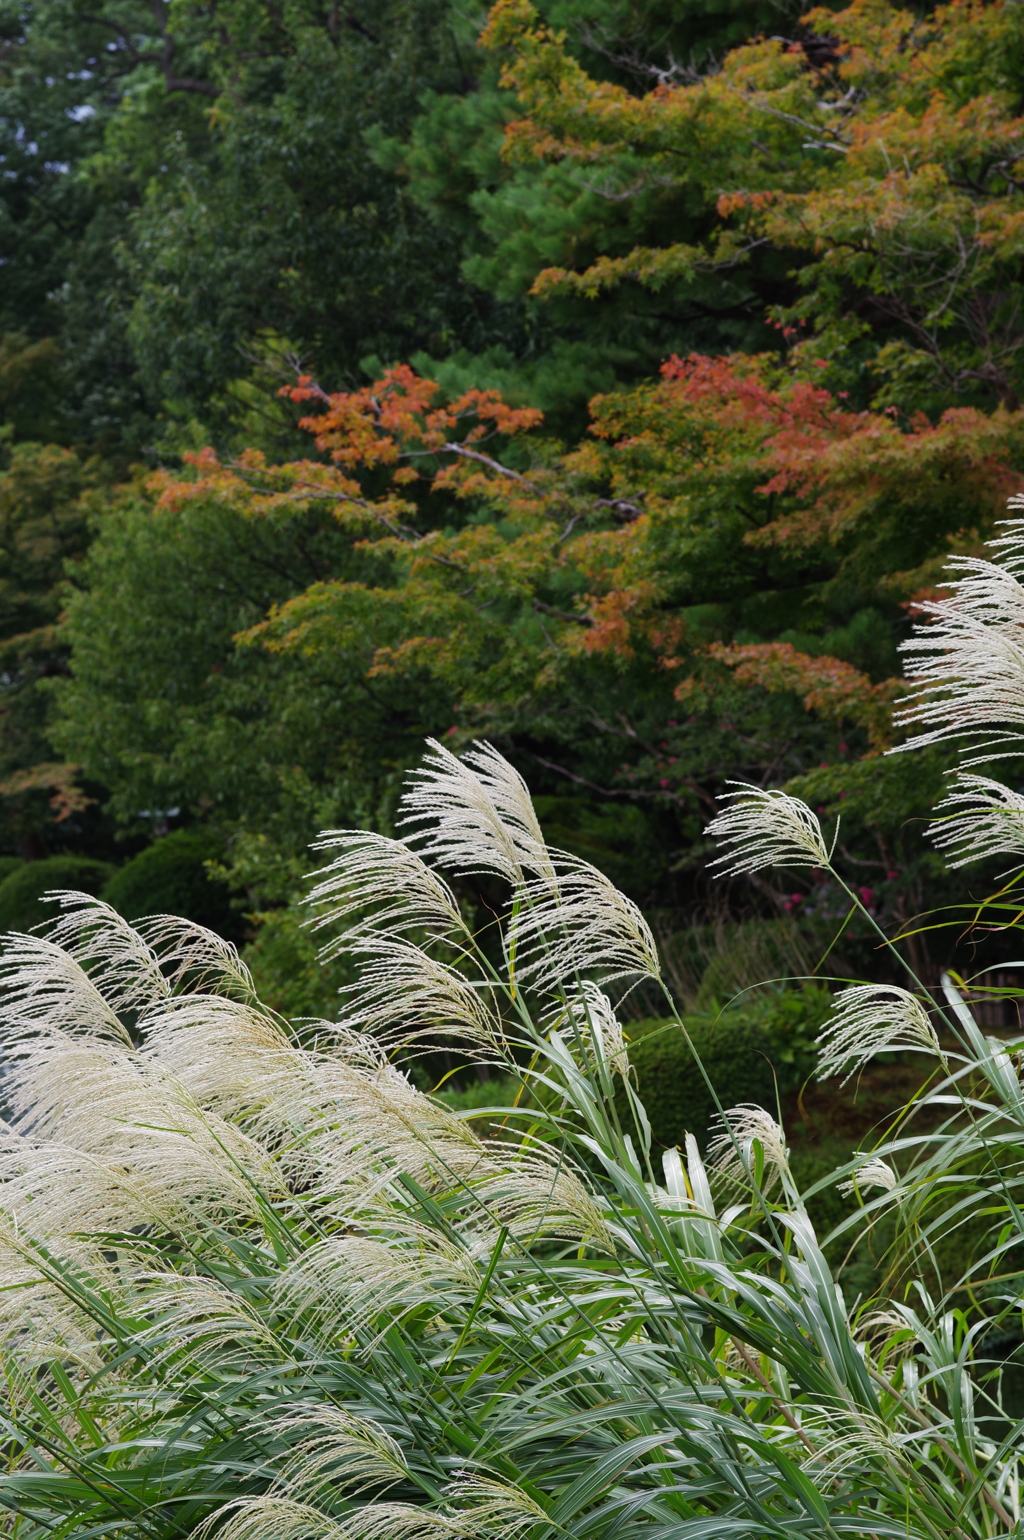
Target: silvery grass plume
<point>977,818</point>
<point>575,923</point>
<point>871,1018</point>
<point>871,1173</point>
<point>731,1150</point>
<point>282,1518</point>
<point>193,956</point>
<point>121,964</point>
<point>383,881</point>
<point>339,1452</point>
<point>478,815</point>
<point>766,828</point>
<point>252,1280</point>
<point>966,665</point>
<point>567,918</point>
<point>587,1017</point>
<point>405,997</point>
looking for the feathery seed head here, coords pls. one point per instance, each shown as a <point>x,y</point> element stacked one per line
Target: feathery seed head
<point>121,965</point>
<point>44,990</point>
<point>405,996</point>
<point>341,1451</point>
<point>575,924</point>
<point>731,1150</point>
<point>979,817</point>
<point>845,1440</point>
<point>965,666</point>
<point>201,1319</point>
<point>273,1517</point>
<point>278,1517</point>
<point>871,1173</point>
<point>589,1017</point>
<point>478,813</point>
<point>350,1282</point>
<point>766,828</point>
<point>868,1019</point>
<point>534,1191</point>
<point>489,1503</point>
<point>193,955</point>
<point>387,879</point>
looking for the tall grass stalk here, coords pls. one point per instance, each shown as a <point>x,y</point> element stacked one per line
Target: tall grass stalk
<point>254,1284</point>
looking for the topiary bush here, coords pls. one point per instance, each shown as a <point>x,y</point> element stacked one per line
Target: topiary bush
<point>170,877</point>
<point>751,1054</point>
<point>23,888</point>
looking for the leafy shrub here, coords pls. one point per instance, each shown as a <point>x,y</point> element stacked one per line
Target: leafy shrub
<point>22,890</point>
<point>9,864</point>
<point>751,1053</point>
<point>170,877</point>
<point>286,968</point>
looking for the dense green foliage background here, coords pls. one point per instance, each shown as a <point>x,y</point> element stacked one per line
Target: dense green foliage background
<point>197,201</point>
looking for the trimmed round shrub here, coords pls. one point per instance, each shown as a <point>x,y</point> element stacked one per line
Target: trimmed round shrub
<point>9,864</point>
<point>170,877</point>
<point>746,1053</point>
<point>22,890</point>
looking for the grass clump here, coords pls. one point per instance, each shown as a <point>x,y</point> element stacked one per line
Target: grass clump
<point>255,1285</point>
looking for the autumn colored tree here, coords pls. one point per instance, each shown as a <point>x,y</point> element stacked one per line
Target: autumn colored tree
<point>878,151</point>
<point>712,584</point>
<point>784,276</point>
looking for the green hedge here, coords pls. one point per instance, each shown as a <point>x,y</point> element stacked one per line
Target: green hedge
<point>747,1052</point>
<point>22,890</point>
<point>170,877</point>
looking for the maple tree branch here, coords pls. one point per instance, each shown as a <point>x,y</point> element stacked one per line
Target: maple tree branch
<point>581,780</point>
<point>837,141</point>
<point>697,791</point>
<point>494,465</point>
<point>403,532</point>
<point>549,609</point>
<point>625,511</point>
<point>567,531</point>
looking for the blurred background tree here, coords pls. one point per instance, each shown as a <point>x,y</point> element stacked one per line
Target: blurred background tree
<point>771,401</point>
